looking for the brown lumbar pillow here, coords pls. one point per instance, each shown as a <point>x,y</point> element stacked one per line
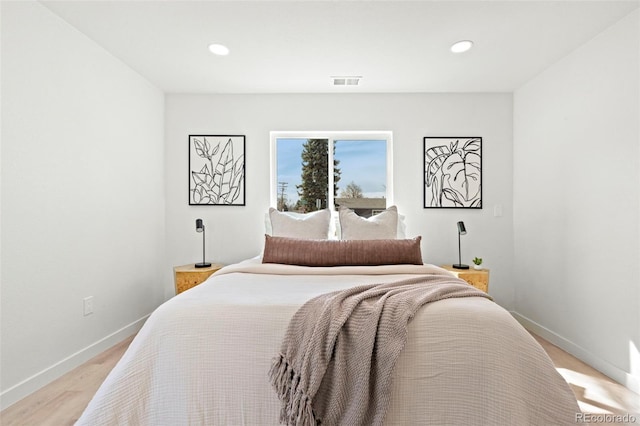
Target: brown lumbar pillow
<point>294,251</point>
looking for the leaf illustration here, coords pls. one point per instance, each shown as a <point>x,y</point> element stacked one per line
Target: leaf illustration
<point>215,150</point>
<point>472,183</point>
<point>436,192</point>
<point>220,179</point>
<point>196,194</point>
<point>213,197</point>
<point>436,156</point>
<point>223,173</point>
<point>239,164</point>
<point>236,181</point>
<point>472,145</point>
<point>200,195</point>
<point>203,177</point>
<point>462,175</point>
<point>236,186</point>
<point>200,148</point>
<point>453,173</point>
<point>453,196</point>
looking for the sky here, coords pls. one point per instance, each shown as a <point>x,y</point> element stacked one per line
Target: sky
<point>361,161</point>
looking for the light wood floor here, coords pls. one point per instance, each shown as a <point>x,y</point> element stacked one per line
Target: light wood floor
<point>62,401</point>
<point>596,393</point>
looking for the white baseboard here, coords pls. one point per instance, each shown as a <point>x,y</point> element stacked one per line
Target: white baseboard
<point>49,374</point>
<point>620,376</point>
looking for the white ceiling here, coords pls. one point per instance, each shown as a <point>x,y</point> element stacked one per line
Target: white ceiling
<point>296,46</point>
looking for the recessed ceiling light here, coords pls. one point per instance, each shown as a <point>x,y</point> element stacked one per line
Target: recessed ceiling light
<point>219,49</point>
<point>461,46</point>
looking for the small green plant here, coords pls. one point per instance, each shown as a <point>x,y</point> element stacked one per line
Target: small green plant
<point>477,261</point>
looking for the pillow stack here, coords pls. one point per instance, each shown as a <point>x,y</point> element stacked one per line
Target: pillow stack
<point>305,239</point>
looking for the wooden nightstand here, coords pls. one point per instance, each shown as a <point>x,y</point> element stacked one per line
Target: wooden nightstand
<point>477,278</point>
<point>187,276</point>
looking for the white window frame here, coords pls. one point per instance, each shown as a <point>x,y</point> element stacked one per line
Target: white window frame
<point>332,136</point>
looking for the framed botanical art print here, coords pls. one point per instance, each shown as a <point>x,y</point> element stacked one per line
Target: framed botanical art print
<point>216,170</point>
<point>452,172</point>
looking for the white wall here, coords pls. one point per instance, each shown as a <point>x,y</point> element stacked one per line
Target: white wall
<point>577,202</point>
<point>236,233</point>
<point>82,198</point>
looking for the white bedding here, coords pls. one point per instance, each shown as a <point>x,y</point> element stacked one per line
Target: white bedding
<point>203,356</point>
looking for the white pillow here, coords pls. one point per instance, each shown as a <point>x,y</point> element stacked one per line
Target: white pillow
<point>400,235</point>
<point>383,226</point>
<point>309,226</point>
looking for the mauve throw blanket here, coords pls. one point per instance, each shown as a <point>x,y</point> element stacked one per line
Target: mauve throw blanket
<point>340,349</point>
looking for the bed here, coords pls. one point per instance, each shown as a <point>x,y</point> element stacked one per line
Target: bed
<point>203,357</point>
<point>208,355</point>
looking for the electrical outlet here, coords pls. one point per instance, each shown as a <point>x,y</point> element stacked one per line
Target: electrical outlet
<point>88,305</point>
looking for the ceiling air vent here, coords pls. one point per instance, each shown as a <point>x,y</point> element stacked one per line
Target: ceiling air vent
<point>346,80</point>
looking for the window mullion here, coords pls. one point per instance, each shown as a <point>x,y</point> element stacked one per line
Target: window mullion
<point>330,196</point>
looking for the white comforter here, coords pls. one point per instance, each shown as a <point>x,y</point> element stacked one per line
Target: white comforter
<point>203,356</point>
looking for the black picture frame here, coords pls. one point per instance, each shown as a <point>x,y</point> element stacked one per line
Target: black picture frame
<point>217,170</point>
<point>452,172</point>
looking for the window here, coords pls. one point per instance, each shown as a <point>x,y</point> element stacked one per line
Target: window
<point>313,170</point>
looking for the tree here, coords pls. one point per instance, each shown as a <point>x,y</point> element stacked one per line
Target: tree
<point>315,175</point>
<point>353,190</point>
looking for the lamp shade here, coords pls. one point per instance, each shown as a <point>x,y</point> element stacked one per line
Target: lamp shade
<point>199,225</point>
<point>461,229</point>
